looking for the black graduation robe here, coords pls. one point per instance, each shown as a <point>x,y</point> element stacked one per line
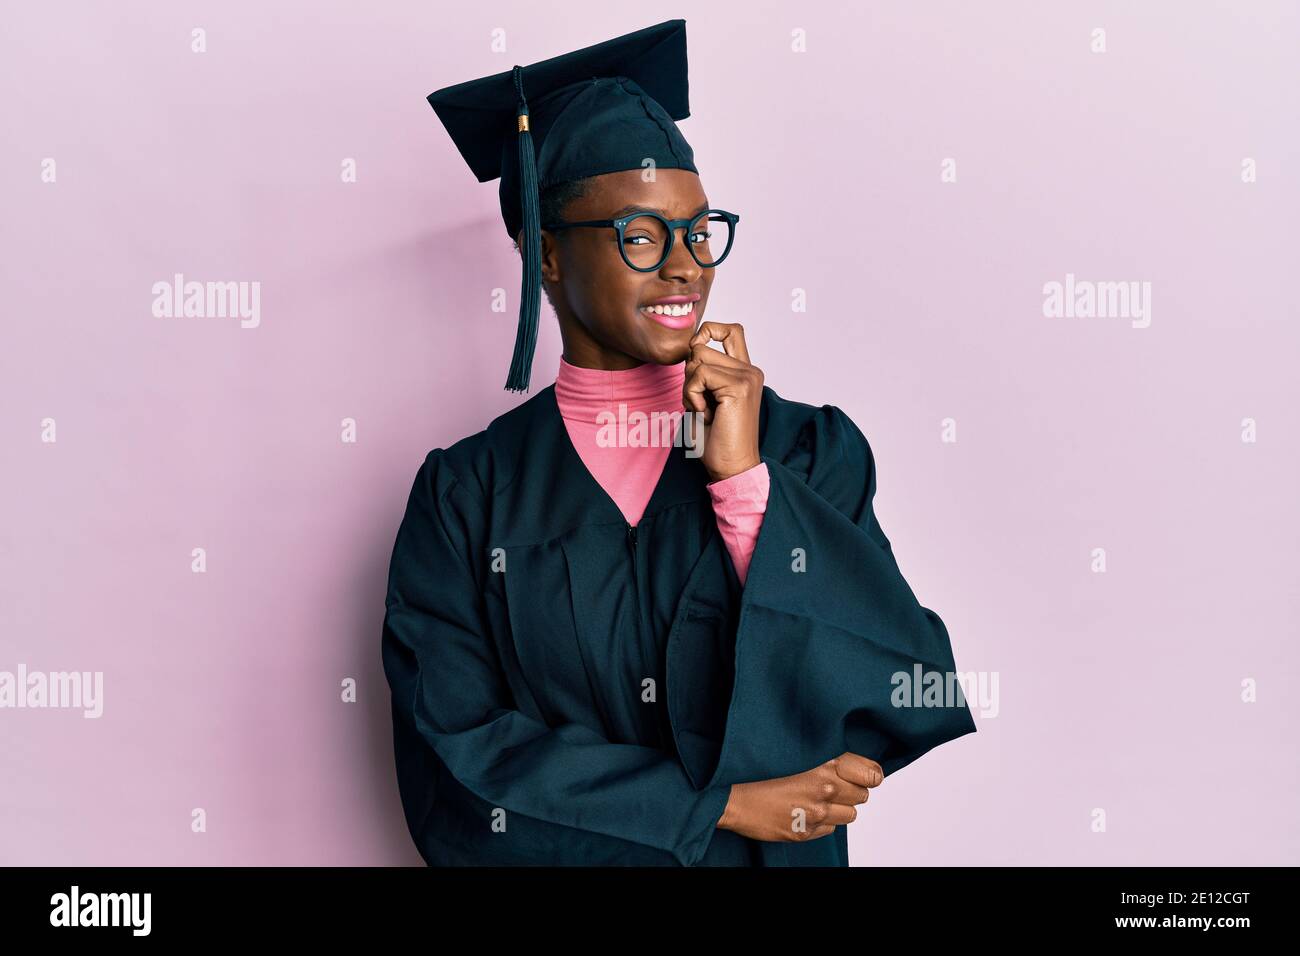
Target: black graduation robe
<point>570,690</point>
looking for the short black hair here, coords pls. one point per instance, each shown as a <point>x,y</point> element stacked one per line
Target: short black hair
<point>551,202</point>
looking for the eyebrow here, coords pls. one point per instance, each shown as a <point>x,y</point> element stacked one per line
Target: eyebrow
<point>619,213</point>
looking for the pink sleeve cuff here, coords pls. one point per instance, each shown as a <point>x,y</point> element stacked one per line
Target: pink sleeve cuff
<point>738,504</point>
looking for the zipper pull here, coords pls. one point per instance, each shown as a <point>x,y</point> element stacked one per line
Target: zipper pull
<point>631,535</point>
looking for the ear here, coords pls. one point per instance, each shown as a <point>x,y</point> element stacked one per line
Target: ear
<point>550,257</point>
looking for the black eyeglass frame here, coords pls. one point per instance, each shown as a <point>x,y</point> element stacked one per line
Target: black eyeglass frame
<point>672,225</point>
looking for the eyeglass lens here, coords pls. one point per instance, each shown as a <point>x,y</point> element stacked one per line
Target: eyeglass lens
<point>645,240</point>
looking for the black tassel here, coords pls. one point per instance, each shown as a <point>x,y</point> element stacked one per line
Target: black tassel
<point>521,366</point>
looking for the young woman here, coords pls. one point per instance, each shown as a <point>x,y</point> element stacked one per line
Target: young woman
<point>615,643</point>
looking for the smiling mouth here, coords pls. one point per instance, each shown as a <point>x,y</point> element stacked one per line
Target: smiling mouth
<point>676,316</point>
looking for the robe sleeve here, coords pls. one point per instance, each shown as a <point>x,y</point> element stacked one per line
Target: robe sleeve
<point>738,506</point>
<point>447,682</point>
<point>830,639</point>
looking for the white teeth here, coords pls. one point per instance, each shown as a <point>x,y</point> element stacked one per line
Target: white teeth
<point>685,308</point>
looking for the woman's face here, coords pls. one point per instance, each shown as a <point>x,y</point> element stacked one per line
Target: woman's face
<point>599,299</point>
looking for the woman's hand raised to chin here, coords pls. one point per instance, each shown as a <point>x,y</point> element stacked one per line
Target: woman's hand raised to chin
<point>727,391</point>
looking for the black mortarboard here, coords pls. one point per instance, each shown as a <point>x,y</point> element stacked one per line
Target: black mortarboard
<point>601,109</point>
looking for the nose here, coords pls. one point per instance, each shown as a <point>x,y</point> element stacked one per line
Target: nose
<point>680,264</point>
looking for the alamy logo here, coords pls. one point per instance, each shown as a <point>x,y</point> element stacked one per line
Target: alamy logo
<point>102,909</point>
<point>656,429</point>
<point>927,688</point>
<point>1084,299</point>
<point>82,690</point>
<point>208,300</point>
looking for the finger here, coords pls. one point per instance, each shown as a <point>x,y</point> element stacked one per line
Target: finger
<point>730,334</point>
<point>839,814</point>
<point>705,380</point>
<point>858,769</point>
<point>718,376</point>
<point>703,353</point>
<point>726,372</point>
<point>850,794</point>
<point>695,391</point>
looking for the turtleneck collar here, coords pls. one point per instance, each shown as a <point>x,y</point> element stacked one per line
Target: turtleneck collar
<point>583,393</point>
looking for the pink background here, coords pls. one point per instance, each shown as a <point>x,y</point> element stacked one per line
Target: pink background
<point>1118,691</point>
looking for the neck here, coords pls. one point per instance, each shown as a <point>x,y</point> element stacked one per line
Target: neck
<point>583,393</point>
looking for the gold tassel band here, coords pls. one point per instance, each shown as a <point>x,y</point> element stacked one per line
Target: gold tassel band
<point>523,122</point>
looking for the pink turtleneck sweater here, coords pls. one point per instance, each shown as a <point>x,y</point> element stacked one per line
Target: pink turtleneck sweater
<point>630,473</point>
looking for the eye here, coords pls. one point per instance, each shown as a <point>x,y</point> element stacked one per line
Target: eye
<point>701,236</point>
<point>636,240</point>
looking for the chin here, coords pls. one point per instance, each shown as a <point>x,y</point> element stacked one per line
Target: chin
<point>672,349</point>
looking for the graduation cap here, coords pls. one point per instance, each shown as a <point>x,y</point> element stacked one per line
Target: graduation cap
<point>601,109</point>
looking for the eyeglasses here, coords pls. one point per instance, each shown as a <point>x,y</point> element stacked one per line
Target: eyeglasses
<point>645,239</point>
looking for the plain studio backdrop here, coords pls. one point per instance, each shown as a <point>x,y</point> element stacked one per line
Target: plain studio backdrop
<point>910,179</point>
